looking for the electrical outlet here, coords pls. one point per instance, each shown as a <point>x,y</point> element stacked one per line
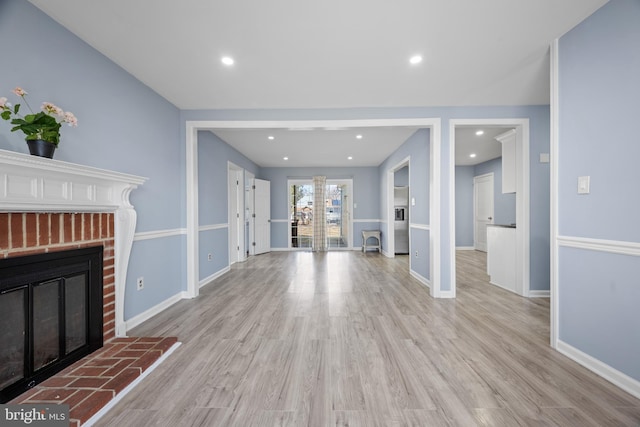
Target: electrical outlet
<point>140,283</point>
<point>416,254</point>
<point>210,257</point>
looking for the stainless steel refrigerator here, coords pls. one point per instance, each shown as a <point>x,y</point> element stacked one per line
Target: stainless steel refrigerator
<point>401,222</point>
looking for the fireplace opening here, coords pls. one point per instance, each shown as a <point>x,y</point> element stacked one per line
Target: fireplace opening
<point>50,315</point>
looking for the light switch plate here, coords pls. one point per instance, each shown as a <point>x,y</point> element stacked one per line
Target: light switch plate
<point>584,184</point>
<point>413,201</point>
<point>544,157</point>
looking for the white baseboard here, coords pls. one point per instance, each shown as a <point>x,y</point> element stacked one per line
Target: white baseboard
<point>387,254</point>
<point>620,379</point>
<point>465,248</point>
<point>280,249</point>
<point>539,294</point>
<point>420,278</point>
<point>447,294</point>
<point>214,276</point>
<point>148,314</point>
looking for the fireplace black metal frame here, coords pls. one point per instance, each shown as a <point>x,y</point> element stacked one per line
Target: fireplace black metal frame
<point>25,272</point>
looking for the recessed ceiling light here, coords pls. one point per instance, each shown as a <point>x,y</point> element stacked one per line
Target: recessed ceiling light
<point>359,136</point>
<point>285,158</point>
<point>472,155</point>
<point>416,59</point>
<point>350,158</point>
<point>271,137</point>
<point>480,132</point>
<point>227,60</point>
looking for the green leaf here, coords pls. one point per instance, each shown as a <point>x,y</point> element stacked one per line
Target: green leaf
<point>6,114</point>
<point>16,108</point>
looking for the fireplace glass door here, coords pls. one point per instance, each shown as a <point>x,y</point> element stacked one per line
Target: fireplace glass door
<point>50,315</point>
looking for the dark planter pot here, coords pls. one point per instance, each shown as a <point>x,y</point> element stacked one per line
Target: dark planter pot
<point>41,148</point>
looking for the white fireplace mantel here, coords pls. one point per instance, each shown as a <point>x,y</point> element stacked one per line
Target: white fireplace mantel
<point>35,184</point>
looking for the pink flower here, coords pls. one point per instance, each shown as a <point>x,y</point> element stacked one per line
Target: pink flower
<point>3,102</point>
<point>70,119</point>
<point>19,91</point>
<point>52,110</point>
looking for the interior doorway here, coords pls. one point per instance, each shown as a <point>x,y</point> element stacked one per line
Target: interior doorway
<point>521,195</point>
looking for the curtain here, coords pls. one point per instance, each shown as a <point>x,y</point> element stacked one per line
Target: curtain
<point>319,214</point>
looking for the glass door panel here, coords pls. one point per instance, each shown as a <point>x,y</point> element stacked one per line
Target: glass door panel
<point>301,214</point>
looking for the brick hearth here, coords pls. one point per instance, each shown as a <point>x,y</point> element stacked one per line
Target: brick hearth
<point>89,384</point>
<point>35,233</point>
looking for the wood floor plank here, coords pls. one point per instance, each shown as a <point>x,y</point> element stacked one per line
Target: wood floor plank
<point>351,339</point>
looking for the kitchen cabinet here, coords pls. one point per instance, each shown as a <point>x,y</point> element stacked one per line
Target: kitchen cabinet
<point>501,256</point>
<point>508,141</point>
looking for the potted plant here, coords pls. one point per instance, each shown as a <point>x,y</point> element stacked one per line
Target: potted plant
<point>42,129</point>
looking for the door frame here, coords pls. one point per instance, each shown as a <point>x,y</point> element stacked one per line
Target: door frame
<point>191,179</point>
<point>523,261</point>
<point>240,252</point>
<point>390,250</point>
<point>475,206</point>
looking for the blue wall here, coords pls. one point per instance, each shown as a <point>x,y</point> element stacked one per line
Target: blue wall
<point>417,148</point>
<point>599,65</point>
<point>365,195</point>
<point>213,195</point>
<point>504,205</point>
<point>464,206</point>
<point>123,126</point>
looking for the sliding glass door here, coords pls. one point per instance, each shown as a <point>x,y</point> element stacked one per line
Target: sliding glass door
<point>337,208</point>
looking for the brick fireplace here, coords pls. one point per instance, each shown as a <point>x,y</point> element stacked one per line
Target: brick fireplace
<point>29,233</point>
<point>49,205</point>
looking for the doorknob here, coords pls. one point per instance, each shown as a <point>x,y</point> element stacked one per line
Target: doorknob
<point>490,218</point>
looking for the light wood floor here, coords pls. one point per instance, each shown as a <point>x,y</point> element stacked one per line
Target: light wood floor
<point>346,338</point>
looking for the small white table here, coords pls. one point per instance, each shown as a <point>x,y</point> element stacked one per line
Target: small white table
<point>366,234</point>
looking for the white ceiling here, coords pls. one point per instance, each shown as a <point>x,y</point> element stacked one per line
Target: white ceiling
<point>293,54</point>
<point>484,146</point>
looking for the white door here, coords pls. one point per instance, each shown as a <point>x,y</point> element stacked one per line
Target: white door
<point>262,224</point>
<point>234,217</point>
<point>249,213</point>
<point>483,209</point>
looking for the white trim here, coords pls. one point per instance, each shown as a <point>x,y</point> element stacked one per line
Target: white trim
<point>387,254</point>
<point>620,379</point>
<point>420,278</point>
<point>279,220</point>
<point>36,184</point>
<point>284,249</point>
<point>523,203</point>
<point>539,294</point>
<point>435,206</point>
<point>191,172</point>
<point>465,248</point>
<point>158,234</point>
<point>192,261</point>
<point>366,220</point>
<point>420,226</point>
<point>157,309</point>
<point>214,276</point>
<point>600,245</point>
<point>212,227</point>
<point>554,313</point>
<point>91,421</point>
<point>447,295</point>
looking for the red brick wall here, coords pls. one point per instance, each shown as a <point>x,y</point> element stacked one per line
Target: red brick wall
<point>36,233</point>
